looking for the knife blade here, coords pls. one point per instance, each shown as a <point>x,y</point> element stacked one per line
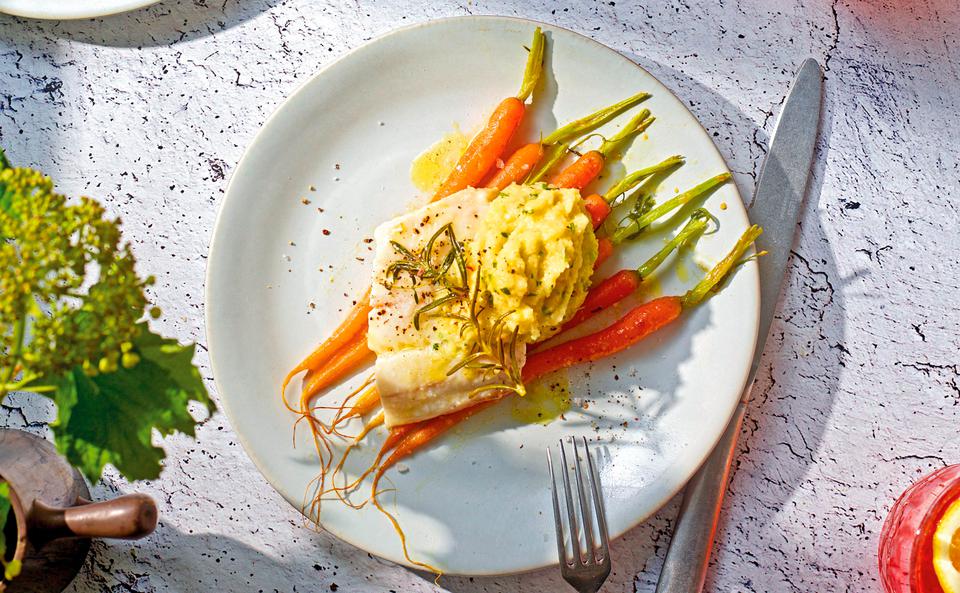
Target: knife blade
<point>776,207</point>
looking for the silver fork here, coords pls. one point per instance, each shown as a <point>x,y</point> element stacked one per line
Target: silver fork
<point>586,569</point>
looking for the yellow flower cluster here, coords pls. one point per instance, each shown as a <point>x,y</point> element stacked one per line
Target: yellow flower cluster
<point>69,294</point>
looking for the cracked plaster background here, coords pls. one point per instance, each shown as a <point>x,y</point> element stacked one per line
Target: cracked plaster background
<point>858,393</point>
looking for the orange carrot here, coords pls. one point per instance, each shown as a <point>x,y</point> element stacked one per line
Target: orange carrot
<point>355,323</point>
<point>517,167</point>
<point>581,172</point>
<point>586,168</point>
<point>398,433</point>
<point>557,144</point>
<point>423,432</point>
<point>610,291</point>
<point>604,251</point>
<point>487,146</point>
<point>520,167</point>
<point>366,402</point>
<point>637,324</point>
<point>597,208</point>
<point>338,367</point>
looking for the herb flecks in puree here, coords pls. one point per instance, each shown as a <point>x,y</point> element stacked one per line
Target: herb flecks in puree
<point>536,248</point>
<point>464,285</point>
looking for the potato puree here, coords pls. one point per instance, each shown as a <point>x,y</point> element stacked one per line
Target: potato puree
<point>536,249</point>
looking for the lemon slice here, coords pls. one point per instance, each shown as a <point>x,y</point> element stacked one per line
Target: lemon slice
<point>946,549</point>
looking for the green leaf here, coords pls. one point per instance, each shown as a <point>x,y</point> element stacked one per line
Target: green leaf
<point>4,513</point>
<point>111,417</point>
<point>12,568</point>
<point>4,164</point>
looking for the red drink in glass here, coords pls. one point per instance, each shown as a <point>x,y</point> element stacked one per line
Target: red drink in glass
<point>906,540</point>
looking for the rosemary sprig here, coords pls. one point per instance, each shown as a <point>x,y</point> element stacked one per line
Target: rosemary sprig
<point>421,266</point>
<point>490,350</point>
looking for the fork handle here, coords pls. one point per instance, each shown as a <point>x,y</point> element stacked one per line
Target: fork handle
<point>685,566</point>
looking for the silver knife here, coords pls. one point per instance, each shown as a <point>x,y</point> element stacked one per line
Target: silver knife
<point>776,207</point>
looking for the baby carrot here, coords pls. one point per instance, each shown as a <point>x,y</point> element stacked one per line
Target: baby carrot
<point>484,149</point>
<point>336,368</point>
<point>597,208</point>
<point>425,431</point>
<point>517,167</point>
<point>355,323</point>
<point>637,324</point>
<point>366,402</point>
<point>586,168</point>
<point>579,173</point>
<point>368,399</point>
<point>622,284</point>
<point>604,251</point>
<point>557,143</point>
<point>487,146</point>
<point>522,162</point>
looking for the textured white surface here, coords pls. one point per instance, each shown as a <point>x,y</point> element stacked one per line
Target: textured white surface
<point>857,397</point>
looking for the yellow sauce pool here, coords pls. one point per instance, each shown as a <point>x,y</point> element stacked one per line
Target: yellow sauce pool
<point>651,287</point>
<point>545,401</point>
<point>431,168</point>
<point>683,274</point>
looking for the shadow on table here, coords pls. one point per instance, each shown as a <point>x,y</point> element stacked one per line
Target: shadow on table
<point>166,23</point>
<point>794,393</point>
<point>205,562</point>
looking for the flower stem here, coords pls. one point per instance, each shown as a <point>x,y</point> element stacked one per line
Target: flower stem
<point>19,329</point>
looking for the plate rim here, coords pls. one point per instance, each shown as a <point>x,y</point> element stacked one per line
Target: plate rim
<point>120,7</point>
<point>262,467</point>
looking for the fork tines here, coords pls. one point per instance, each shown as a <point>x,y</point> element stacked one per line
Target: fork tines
<point>586,564</point>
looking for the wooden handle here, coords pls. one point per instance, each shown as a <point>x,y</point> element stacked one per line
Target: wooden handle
<point>131,516</point>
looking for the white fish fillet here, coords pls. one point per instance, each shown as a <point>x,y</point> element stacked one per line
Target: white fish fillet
<point>411,371</point>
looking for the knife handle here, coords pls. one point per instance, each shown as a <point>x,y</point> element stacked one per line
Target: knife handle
<point>685,566</point>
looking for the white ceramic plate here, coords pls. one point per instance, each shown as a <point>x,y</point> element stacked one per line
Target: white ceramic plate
<point>70,9</point>
<point>477,503</point>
